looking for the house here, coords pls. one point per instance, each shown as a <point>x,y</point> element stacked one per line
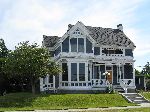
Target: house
<point>91,58</point>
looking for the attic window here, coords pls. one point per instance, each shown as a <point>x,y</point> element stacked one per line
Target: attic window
<point>77,32</point>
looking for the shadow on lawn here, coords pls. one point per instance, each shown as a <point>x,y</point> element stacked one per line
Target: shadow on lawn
<point>19,100</point>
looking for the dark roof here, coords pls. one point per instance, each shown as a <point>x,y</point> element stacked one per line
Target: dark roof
<point>109,36</point>
<point>50,41</point>
<point>103,36</point>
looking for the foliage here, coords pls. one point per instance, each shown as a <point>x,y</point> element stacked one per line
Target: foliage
<point>60,101</point>
<point>3,55</point>
<point>137,72</point>
<point>30,61</point>
<point>144,109</point>
<point>146,70</point>
<point>146,95</point>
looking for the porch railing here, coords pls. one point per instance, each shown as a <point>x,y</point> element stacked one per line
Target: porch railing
<point>126,83</point>
<point>93,83</point>
<point>75,84</point>
<point>48,86</point>
<point>98,82</point>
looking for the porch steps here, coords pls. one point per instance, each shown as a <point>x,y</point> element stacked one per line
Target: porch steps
<point>119,89</point>
<point>135,98</point>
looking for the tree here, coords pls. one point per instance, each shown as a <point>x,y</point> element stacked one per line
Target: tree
<point>32,62</point>
<point>3,55</point>
<point>137,72</point>
<point>146,72</point>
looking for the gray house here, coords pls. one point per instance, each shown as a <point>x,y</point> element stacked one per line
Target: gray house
<point>92,58</point>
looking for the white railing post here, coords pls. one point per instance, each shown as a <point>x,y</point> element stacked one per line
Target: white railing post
<point>54,83</point>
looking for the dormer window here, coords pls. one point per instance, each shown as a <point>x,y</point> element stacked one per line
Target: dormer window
<point>77,44</point>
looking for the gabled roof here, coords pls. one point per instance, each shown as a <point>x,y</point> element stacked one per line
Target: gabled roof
<point>109,36</point>
<point>50,41</point>
<point>102,36</point>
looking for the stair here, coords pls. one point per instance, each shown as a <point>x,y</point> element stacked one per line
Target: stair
<point>135,98</point>
<point>118,88</point>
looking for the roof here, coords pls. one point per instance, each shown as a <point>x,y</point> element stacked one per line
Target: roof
<point>109,36</point>
<point>103,36</point>
<point>50,41</point>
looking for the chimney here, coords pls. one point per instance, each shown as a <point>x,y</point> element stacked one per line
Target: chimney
<point>69,26</point>
<point>120,27</point>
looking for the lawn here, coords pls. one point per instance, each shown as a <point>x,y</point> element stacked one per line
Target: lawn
<point>27,101</point>
<point>146,95</point>
<point>124,110</point>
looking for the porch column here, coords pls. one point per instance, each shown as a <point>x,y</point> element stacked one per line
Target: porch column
<point>86,71</point>
<point>41,84</point>
<point>69,72</point>
<point>133,74</point>
<point>47,79</point>
<point>54,83</point>
<point>60,76</point>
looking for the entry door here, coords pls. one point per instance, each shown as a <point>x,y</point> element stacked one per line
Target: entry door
<point>109,77</point>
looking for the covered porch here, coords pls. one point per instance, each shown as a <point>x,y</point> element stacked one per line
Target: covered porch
<point>91,75</point>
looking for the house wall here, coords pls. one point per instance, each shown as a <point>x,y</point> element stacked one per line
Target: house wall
<point>78,47</point>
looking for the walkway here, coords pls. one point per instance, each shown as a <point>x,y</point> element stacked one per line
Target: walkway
<point>92,109</point>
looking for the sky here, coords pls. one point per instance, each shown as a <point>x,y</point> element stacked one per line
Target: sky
<point>29,20</point>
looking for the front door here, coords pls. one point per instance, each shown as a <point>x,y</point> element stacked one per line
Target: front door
<point>109,77</point>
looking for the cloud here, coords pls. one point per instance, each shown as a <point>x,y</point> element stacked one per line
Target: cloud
<point>23,20</point>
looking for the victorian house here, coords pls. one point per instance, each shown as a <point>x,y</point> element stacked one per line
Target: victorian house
<point>91,58</point>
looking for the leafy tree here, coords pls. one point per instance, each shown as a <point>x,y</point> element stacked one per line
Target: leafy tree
<point>30,61</point>
<point>3,55</point>
<point>146,72</point>
<point>137,72</point>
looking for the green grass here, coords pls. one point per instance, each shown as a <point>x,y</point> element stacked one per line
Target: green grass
<point>27,101</point>
<point>124,110</point>
<point>146,95</point>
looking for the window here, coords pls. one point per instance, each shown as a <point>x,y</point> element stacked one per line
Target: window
<point>128,52</point>
<point>89,72</point>
<point>88,46</point>
<point>96,50</point>
<point>50,78</point>
<point>51,53</point>
<point>77,44</point>
<point>64,72</point>
<point>73,71</point>
<point>80,45</point>
<point>73,43</point>
<point>96,72</point>
<point>81,71</point>
<point>57,51</point>
<point>112,51</point>
<point>65,45</point>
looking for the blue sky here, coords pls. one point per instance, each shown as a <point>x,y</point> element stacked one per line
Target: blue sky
<point>22,20</point>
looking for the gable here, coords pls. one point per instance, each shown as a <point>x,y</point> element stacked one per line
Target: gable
<point>98,36</point>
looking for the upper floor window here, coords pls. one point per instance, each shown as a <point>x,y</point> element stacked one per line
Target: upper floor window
<point>96,50</point>
<point>57,51</point>
<point>112,51</point>
<point>128,52</point>
<point>88,46</point>
<point>73,43</point>
<point>65,45</point>
<point>77,44</point>
<point>80,45</point>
